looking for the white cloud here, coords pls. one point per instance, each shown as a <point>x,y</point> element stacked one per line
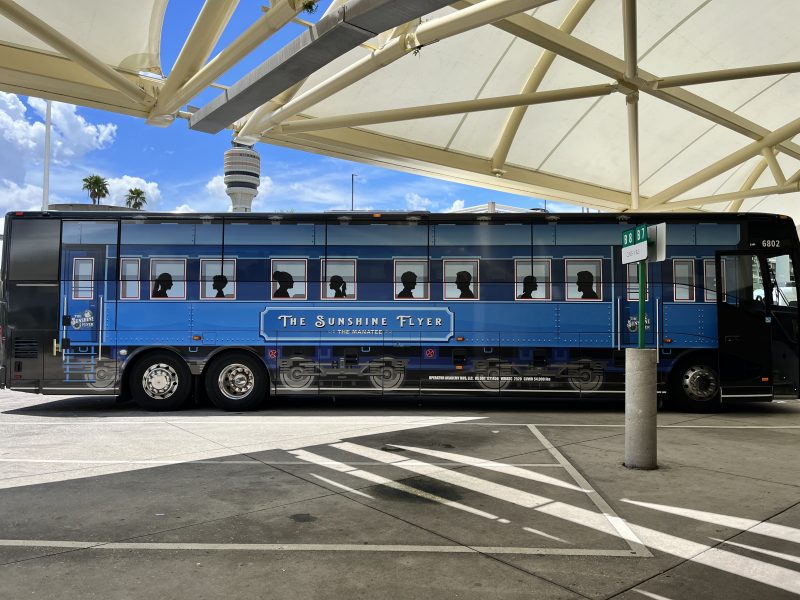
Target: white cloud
<point>73,136</point>
<point>19,197</point>
<point>183,208</point>
<point>118,188</point>
<point>416,202</point>
<point>456,205</point>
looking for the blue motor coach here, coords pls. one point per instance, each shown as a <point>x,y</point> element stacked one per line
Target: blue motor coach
<point>159,307</point>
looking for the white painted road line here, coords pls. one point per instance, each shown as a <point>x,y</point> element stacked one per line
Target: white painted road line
<point>781,555</point>
<point>616,522</point>
<point>509,469</point>
<point>89,461</point>
<point>341,486</point>
<point>309,548</point>
<point>543,534</point>
<point>782,532</point>
<point>371,477</point>
<point>495,490</point>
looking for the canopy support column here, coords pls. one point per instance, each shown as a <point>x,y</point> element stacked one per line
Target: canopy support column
<point>207,29</point>
<point>632,99</point>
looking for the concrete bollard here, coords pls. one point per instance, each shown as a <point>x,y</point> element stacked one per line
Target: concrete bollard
<point>641,408</point>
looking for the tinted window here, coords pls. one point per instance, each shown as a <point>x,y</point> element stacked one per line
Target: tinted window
<point>33,252</point>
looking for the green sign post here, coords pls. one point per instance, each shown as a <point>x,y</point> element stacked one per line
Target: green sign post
<point>634,249</point>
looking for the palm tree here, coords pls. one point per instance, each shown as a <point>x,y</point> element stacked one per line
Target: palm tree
<point>96,186</point>
<point>135,199</point>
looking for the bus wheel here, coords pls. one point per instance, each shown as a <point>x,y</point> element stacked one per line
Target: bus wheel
<point>236,381</point>
<point>385,375</point>
<point>160,381</point>
<point>695,383</point>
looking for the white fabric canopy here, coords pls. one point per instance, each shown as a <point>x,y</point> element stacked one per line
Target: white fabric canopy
<point>723,138</point>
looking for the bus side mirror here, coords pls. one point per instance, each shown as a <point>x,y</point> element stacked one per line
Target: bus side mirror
<point>66,321</point>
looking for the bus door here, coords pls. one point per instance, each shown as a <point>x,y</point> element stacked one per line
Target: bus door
<point>88,276</point>
<point>744,325</point>
<point>628,306</point>
<point>783,309</point>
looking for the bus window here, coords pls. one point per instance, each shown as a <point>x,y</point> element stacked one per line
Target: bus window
<point>710,279</point>
<point>168,278</point>
<point>683,279</point>
<point>129,278</point>
<point>784,292</point>
<point>461,279</point>
<point>338,279</point>
<point>218,279</point>
<point>34,250</point>
<point>532,279</point>
<point>584,279</point>
<point>289,278</point>
<point>82,278</point>
<point>411,279</point>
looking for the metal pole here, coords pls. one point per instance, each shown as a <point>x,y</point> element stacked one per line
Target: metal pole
<point>352,191</point>
<point>642,298</point>
<point>46,182</point>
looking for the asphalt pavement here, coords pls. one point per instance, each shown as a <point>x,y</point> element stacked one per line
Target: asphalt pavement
<point>376,498</point>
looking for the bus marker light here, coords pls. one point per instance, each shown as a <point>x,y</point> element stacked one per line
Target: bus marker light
<point>459,367</point>
<point>197,337</point>
<point>18,214</point>
<point>765,379</point>
<point>459,339</point>
<point>377,215</point>
<point>123,352</point>
<point>667,340</point>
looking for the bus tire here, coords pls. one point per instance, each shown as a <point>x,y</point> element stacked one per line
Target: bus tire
<point>694,383</point>
<point>160,381</point>
<point>236,381</point>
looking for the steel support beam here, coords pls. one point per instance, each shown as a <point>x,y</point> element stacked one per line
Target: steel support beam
<point>389,152</point>
<point>551,38</point>
<point>727,75</point>
<point>748,184</point>
<point>56,40</point>
<point>736,196</point>
<point>774,167</point>
<point>334,35</point>
<point>444,109</point>
<point>427,33</point>
<point>734,159</point>
<point>210,23</point>
<point>535,79</point>
<point>281,12</point>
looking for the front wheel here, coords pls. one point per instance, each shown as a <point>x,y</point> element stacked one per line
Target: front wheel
<point>160,381</point>
<point>236,382</point>
<point>695,384</point>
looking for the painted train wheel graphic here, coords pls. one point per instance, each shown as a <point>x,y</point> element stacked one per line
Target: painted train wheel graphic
<point>585,379</point>
<point>297,373</point>
<point>385,375</point>
<point>492,378</point>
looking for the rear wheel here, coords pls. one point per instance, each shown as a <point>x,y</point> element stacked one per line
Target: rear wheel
<point>236,381</point>
<point>695,383</point>
<point>160,381</point>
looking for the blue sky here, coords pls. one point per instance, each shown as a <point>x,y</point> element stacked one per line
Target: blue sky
<point>181,170</point>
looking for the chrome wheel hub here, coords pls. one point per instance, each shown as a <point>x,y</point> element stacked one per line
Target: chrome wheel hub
<point>236,381</point>
<point>160,381</point>
<point>699,383</point>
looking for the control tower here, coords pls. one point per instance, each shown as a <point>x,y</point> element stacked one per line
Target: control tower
<point>242,176</point>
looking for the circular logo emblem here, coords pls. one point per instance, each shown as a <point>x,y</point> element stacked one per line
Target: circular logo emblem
<point>430,353</point>
<point>273,353</point>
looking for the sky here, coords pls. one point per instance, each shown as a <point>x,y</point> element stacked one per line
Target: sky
<point>181,170</point>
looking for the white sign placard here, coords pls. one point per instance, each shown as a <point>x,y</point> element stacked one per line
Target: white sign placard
<point>634,253</point>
